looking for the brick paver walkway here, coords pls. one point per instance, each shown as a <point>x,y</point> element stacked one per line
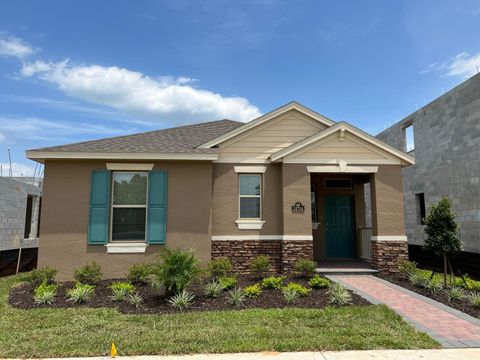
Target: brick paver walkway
<point>450,327</point>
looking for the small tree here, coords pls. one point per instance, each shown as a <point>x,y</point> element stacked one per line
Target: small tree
<point>442,232</point>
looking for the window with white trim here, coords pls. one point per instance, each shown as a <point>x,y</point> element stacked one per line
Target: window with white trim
<point>250,196</point>
<point>129,205</point>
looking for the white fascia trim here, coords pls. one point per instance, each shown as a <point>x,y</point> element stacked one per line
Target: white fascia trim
<point>241,161</point>
<point>349,161</point>
<point>264,118</point>
<point>338,169</point>
<point>129,166</point>
<point>250,224</point>
<point>342,126</point>
<point>389,238</point>
<point>42,155</point>
<point>126,248</point>
<point>260,237</point>
<point>250,169</point>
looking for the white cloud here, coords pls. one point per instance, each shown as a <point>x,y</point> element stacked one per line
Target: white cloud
<point>32,128</point>
<point>463,65</point>
<point>139,94</point>
<point>13,47</point>
<point>18,169</point>
<point>2,137</point>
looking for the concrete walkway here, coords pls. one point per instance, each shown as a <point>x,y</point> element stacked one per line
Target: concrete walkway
<point>443,354</point>
<point>452,328</point>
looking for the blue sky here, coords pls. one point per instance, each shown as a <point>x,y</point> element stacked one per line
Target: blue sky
<point>79,70</point>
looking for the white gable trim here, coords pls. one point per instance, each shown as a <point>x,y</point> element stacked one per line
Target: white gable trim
<point>264,118</point>
<point>342,127</point>
<point>343,169</point>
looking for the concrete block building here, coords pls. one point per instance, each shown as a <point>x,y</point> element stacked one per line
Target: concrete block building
<point>446,147</point>
<point>20,204</point>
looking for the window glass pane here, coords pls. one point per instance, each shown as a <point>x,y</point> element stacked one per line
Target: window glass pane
<point>129,188</point>
<point>249,207</point>
<point>128,224</point>
<point>249,184</point>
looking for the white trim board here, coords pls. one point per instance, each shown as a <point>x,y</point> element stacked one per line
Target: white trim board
<point>126,247</point>
<point>129,166</point>
<point>250,169</point>
<point>342,169</point>
<point>264,118</point>
<point>261,237</point>
<point>389,238</point>
<point>42,155</point>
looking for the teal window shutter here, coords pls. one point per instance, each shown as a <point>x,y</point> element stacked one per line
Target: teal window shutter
<point>157,207</point>
<point>99,207</point>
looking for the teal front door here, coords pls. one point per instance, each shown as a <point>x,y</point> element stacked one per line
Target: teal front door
<point>339,226</point>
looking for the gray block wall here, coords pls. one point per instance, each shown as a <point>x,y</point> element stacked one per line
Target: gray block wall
<point>13,205</point>
<point>447,159</point>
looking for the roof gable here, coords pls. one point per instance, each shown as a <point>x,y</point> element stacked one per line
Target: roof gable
<point>342,142</point>
<point>268,117</point>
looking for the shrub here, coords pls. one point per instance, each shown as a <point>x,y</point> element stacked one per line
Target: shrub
<point>417,279</point>
<point>40,276</point>
<point>474,299</point>
<point>273,282</point>
<point>472,285</point>
<point>406,268</point>
<point>455,293</point>
<point>220,267</point>
<point>339,295</point>
<point>290,295</point>
<point>300,289</point>
<point>236,296</point>
<point>304,267</point>
<point>80,293</point>
<point>213,289</point>
<point>139,273</point>
<point>181,301</point>
<point>252,291</point>
<point>45,293</point>
<point>228,282</point>
<point>318,282</point>
<point>175,269</point>
<point>89,274</point>
<point>260,266</point>
<point>433,285</point>
<point>120,290</point>
<point>135,300</point>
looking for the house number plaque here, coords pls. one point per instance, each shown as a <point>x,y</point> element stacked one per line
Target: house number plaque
<point>298,208</point>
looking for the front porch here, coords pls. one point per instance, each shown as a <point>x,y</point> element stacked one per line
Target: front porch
<point>347,267</point>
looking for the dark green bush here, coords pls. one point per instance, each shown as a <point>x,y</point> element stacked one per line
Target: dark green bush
<point>39,276</point>
<point>220,267</point>
<point>260,266</point>
<point>175,269</point>
<point>90,274</point>
<point>139,273</point>
<point>406,268</point>
<point>304,267</point>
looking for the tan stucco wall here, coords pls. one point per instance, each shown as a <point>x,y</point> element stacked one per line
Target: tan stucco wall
<point>225,201</point>
<point>296,187</point>
<point>387,201</point>
<point>64,220</point>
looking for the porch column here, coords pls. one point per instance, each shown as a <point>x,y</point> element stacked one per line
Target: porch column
<point>389,243</point>
<point>297,221</point>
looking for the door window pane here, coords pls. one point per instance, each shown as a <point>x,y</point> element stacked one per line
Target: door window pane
<point>249,184</point>
<point>129,188</point>
<point>128,224</point>
<point>250,207</point>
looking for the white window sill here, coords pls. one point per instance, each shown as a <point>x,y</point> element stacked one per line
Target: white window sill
<point>126,248</point>
<point>250,224</point>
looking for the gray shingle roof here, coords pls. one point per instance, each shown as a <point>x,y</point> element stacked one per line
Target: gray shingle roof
<point>183,139</point>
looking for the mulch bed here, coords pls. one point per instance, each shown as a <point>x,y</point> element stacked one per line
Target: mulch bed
<point>462,305</point>
<point>21,297</point>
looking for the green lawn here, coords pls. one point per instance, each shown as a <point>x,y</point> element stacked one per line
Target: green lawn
<point>86,332</point>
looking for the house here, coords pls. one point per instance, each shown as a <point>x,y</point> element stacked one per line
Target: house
<point>446,147</point>
<point>288,184</point>
<point>20,204</point>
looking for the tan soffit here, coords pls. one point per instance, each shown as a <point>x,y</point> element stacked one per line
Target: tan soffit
<point>264,118</point>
